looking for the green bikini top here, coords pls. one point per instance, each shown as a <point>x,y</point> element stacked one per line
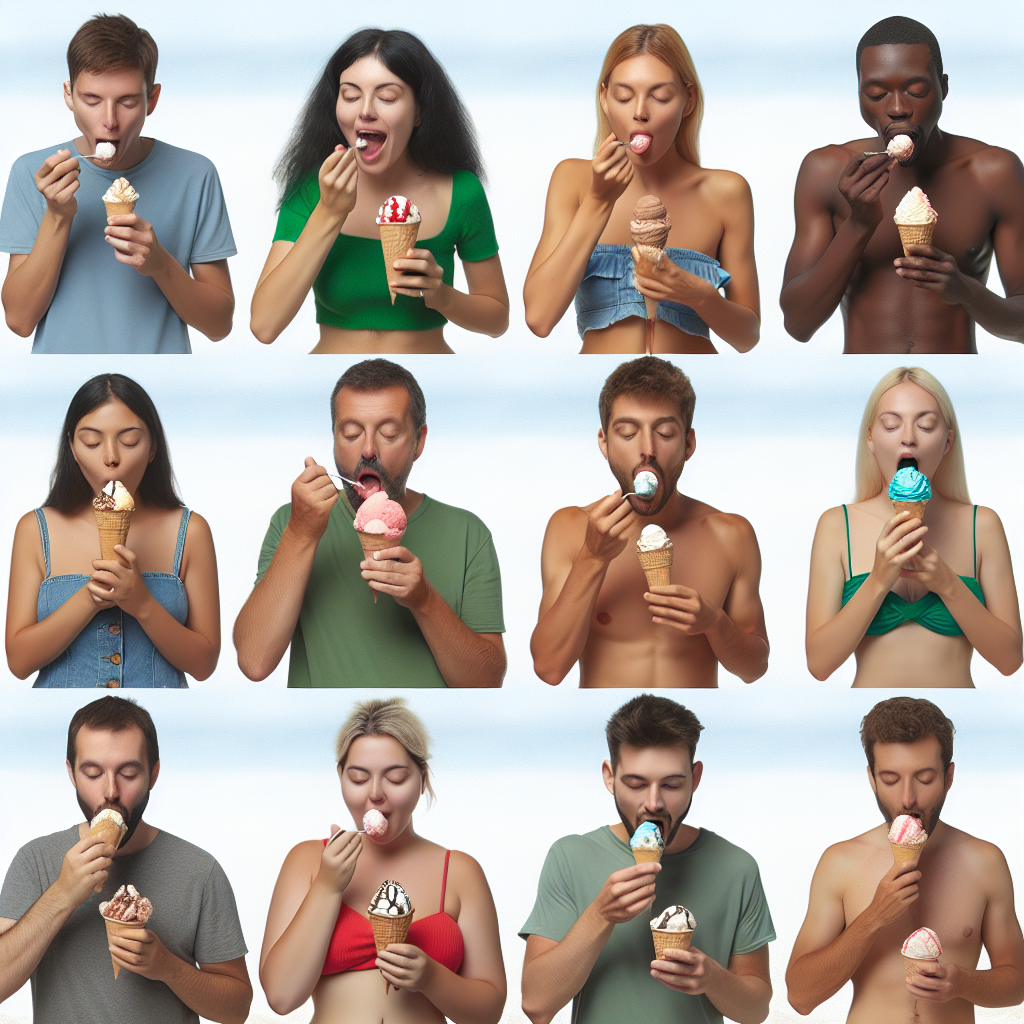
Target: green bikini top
<point>930,611</point>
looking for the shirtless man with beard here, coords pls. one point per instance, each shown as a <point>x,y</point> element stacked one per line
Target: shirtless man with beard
<point>597,608</point>
<point>863,906</point>
<point>847,249</point>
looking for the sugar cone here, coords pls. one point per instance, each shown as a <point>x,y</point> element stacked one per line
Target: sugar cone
<point>669,940</point>
<point>657,566</point>
<point>109,831</point>
<point>119,928</point>
<point>650,260</point>
<point>371,542</point>
<point>113,527</point>
<point>396,240</point>
<point>906,854</point>
<point>647,856</point>
<point>913,966</point>
<point>119,209</point>
<point>390,929</point>
<point>915,508</point>
<point>915,234</point>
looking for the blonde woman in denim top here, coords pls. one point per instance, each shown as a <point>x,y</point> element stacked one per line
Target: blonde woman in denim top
<point>649,99</point>
<point>143,619</point>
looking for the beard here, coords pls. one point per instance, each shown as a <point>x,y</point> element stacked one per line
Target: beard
<point>392,486</point>
<point>132,818</point>
<point>664,822</point>
<point>642,506</point>
<point>929,819</point>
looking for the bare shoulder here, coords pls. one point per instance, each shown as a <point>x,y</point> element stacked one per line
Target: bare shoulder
<point>993,166</point>
<point>827,163</point>
<point>303,858</point>
<point>569,521</point>
<point>198,528</point>
<point>988,522</point>
<point>726,186</point>
<point>832,520</point>
<point>462,868</point>
<point>27,528</point>
<point>984,858</point>
<point>729,527</point>
<point>845,859</point>
<point>570,178</point>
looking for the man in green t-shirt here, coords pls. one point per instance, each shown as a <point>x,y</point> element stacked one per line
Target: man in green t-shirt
<point>589,939</point>
<point>437,620</point>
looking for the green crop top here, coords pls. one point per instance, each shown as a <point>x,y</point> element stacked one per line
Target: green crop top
<point>930,612</point>
<point>351,290</point>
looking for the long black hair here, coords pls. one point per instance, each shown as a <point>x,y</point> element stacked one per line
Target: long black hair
<point>444,141</point>
<point>69,490</point>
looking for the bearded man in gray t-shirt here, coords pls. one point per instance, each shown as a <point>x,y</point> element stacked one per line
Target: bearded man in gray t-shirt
<point>189,958</point>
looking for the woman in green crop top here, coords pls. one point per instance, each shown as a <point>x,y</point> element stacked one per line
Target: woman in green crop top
<point>383,120</point>
<point>912,598</point>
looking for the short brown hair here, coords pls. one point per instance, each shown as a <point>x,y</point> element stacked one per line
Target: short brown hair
<point>112,42</point>
<point>114,714</point>
<point>649,721</point>
<point>906,720</point>
<point>378,375</point>
<point>648,377</point>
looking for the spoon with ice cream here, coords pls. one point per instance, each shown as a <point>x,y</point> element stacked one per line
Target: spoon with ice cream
<point>639,143</point>
<point>375,825</point>
<point>645,483</point>
<point>104,151</point>
<point>901,148</point>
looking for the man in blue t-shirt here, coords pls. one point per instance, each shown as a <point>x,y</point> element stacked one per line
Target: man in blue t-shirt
<point>88,282</point>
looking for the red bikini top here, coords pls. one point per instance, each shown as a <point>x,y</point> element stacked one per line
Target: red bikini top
<point>352,947</point>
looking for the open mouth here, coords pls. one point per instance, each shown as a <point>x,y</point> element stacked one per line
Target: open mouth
<point>639,142</point>
<point>369,144</point>
<point>369,483</point>
<point>906,462</point>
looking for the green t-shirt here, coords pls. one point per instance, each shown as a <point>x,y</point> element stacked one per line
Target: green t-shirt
<point>351,290</point>
<point>343,639</point>
<point>718,882</point>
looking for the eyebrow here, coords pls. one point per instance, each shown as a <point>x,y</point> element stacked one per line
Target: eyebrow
<point>636,422</point>
<point>96,430</point>
<point>117,99</point>
<point>885,83</point>
<point>126,764</point>
<point>385,85</point>
<point>643,778</point>
<point>360,768</point>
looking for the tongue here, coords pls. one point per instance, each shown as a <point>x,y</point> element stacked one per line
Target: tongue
<point>373,146</point>
<point>369,485</point>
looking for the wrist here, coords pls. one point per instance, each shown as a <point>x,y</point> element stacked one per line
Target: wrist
<point>439,299</point>
<point>325,220</point>
<point>299,538</point>
<point>423,601</point>
<point>597,206</point>
<point>142,608</point>
<point>60,219</point>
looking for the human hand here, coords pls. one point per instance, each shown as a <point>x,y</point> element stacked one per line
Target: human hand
<point>611,171</point>
<point>57,181</point>
<point>861,185</point>
<point>608,523</point>
<point>684,970</point>
<point>900,540</point>
<point>338,179</point>
<point>894,894</point>
<point>313,497</point>
<point>136,244</point>
<point>671,283</point>
<point>626,893</point>
<point>937,982</point>
<point>935,270</point>
<point>421,277</point>
<point>338,861</point>
<point>404,965</point>
<point>141,952</point>
<point>398,572</point>
<point>84,869</point>
<point>118,581</point>
<point>682,608</point>
<point>930,570</point>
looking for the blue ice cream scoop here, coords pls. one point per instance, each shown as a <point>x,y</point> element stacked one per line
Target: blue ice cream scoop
<point>645,484</point>
<point>910,485</point>
<point>647,837</point>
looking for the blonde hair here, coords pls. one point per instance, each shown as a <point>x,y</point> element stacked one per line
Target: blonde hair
<point>664,43</point>
<point>950,478</point>
<point>387,718</point>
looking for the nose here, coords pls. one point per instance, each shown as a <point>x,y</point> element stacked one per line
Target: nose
<point>647,444</point>
<point>366,111</point>
<point>898,108</point>
<point>652,798</point>
<point>640,111</point>
<point>110,115</point>
<point>376,789</point>
<point>368,449</point>
<point>110,787</point>
<point>909,795</point>
<point>907,438</point>
<point>110,453</point>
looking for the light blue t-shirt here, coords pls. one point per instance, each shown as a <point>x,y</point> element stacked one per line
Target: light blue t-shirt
<point>101,305</point>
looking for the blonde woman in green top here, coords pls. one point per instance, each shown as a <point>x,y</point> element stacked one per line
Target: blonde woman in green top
<point>415,139</point>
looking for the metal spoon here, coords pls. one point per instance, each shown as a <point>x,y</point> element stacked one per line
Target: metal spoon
<point>96,156</point>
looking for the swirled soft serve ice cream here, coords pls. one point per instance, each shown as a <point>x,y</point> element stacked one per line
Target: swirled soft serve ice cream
<point>120,198</point>
<point>654,549</point>
<point>910,491</point>
<point>915,219</point>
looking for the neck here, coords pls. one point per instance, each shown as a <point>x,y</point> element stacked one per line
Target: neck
<point>661,176</point>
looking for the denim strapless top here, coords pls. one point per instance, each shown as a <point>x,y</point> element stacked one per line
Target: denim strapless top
<point>606,294</point>
<point>113,650</point>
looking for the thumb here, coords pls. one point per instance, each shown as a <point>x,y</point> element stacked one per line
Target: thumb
<point>309,461</point>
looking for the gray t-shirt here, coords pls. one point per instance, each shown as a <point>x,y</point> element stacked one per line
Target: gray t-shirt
<point>194,915</point>
<point>714,879</point>
<point>101,305</point>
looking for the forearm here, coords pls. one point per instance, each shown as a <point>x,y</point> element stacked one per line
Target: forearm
<point>34,646</point>
<point>28,289</point>
<point>996,641</point>
<point>23,945</point>
<point>739,652</point>
<point>482,314</point>
<point>998,986</point>
<point>204,306</point>
<point>264,627</point>
<point>279,296</point>
<point>215,997</point>
<point>1003,317</point>
<point>462,1000</point>
<point>810,298</point>
<point>186,649</point>
<point>743,998</point>
<point>818,976</point>
<point>551,286</point>
<point>832,643</point>
<point>552,979</point>
<point>733,322</point>
<point>463,657</point>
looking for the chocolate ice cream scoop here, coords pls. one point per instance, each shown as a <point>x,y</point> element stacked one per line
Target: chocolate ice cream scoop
<point>651,223</point>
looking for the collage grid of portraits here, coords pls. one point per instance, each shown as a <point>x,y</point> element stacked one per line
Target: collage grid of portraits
<point>248,761</point>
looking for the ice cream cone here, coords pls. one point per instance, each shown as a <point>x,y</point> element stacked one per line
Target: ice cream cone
<point>371,542</point>
<point>113,527</point>
<point>669,940</point>
<point>915,508</point>
<point>390,929</point>
<point>647,265</point>
<point>647,856</point>
<point>906,854</point>
<point>119,928</point>
<point>915,234</point>
<point>657,566</point>
<point>109,831</point>
<point>119,209</point>
<point>913,966</point>
<point>396,240</point>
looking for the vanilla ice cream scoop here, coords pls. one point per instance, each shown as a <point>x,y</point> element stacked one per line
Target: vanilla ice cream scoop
<point>922,945</point>
<point>915,208</point>
<point>114,497</point>
<point>645,483</point>
<point>398,210</point>
<point>653,538</point>
<point>906,830</point>
<point>901,147</point>
<point>674,919</point>
<point>120,192</point>
<point>375,825</point>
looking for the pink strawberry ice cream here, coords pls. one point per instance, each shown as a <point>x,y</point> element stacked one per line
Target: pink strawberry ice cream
<point>640,143</point>
<point>398,210</point>
<point>379,514</point>
<point>901,147</point>
<point>375,825</point>
<point>906,830</point>
<point>923,945</point>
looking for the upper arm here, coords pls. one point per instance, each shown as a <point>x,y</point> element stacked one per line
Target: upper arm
<point>485,277</point>
<point>995,570</point>
<point>478,922</point>
<point>293,883</point>
<point>1000,929</point>
<point>751,965</point>
<point>6,924</point>
<point>537,945</point>
<point>215,273</point>
<point>28,570</point>
<point>199,575</point>
<point>1008,235</point>
<point>736,250</point>
<point>15,261</point>
<point>229,968</point>
<point>818,177</point>
<point>825,587</point>
<point>556,556</point>
<point>278,251</point>
<point>743,602</point>
<point>562,203</point>
<point>826,916</point>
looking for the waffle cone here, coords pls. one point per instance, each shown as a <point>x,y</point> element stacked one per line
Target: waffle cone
<point>915,234</point>
<point>913,966</point>
<point>119,209</point>
<point>657,566</point>
<point>396,240</point>
<point>119,928</point>
<point>650,260</point>
<point>113,527</point>
<point>390,929</point>
<point>371,542</point>
<point>915,508</point>
<point>647,856</point>
<point>109,831</point>
<point>906,854</point>
<point>669,940</point>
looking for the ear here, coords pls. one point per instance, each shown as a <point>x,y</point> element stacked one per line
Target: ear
<point>871,443</point>
<point>949,442</point>
<point>945,85</point>
<point>420,442</point>
<point>609,776</point>
<point>691,444</point>
<point>152,451</point>
<point>602,443</point>
<point>153,775</point>
<point>71,772</point>
<point>68,102</point>
<point>949,770</point>
<point>698,773</point>
<point>602,98</point>
<point>691,101</point>
<point>871,780</point>
<point>151,100</point>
